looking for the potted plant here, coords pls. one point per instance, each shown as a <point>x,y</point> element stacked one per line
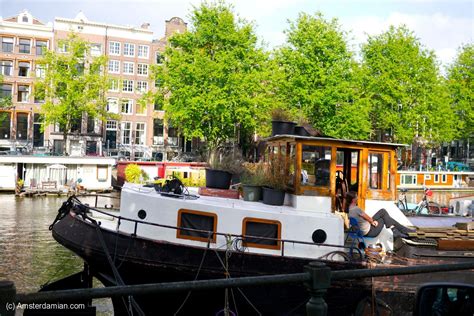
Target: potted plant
<point>252,180</point>
<point>276,179</point>
<point>222,167</point>
<point>281,122</point>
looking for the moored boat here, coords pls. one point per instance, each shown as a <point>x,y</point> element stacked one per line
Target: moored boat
<point>163,236</point>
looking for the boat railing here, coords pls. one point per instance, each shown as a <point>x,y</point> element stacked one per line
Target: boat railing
<point>210,235</point>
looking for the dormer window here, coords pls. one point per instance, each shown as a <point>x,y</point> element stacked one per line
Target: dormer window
<point>25,19</point>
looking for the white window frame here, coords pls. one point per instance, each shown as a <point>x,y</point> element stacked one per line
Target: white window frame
<point>124,129</point>
<point>128,68</point>
<point>114,48</point>
<point>40,71</point>
<point>27,93</point>
<point>142,86</point>
<point>140,134</point>
<point>142,70</point>
<point>127,86</point>
<point>96,49</point>
<point>112,105</point>
<point>444,178</point>
<point>404,181</point>
<point>436,178</point>
<point>142,49</point>
<point>114,85</point>
<point>427,177</point>
<point>111,125</point>
<point>114,66</point>
<point>129,49</point>
<point>129,104</point>
<point>2,68</point>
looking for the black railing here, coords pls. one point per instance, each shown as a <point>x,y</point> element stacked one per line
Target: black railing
<point>317,278</point>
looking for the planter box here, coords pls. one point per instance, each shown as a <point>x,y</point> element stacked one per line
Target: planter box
<point>252,193</point>
<point>218,179</point>
<point>273,196</point>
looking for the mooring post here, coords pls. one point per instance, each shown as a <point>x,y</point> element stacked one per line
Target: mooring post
<point>7,298</point>
<point>317,287</point>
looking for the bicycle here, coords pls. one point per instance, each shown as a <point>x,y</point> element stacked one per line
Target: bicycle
<point>424,207</point>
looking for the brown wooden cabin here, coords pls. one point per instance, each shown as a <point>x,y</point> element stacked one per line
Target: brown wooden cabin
<point>330,167</point>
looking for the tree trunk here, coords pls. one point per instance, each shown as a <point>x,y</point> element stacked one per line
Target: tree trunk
<point>65,153</point>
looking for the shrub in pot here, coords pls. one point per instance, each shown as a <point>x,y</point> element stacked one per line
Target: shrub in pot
<point>276,179</point>
<point>222,165</point>
<point>252,180</point>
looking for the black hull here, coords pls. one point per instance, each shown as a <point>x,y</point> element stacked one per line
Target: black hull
<point>148,261</point>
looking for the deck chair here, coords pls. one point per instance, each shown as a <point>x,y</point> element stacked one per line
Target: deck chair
<point>357,237</point>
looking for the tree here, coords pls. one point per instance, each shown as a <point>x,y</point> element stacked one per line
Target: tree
<point>320,77</point>
<point>74,84</point>
<point>403,84</point>
<point>214,79</point>
<point>460,83</point>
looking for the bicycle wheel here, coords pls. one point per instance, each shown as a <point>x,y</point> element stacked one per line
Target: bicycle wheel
<point>402,206</point>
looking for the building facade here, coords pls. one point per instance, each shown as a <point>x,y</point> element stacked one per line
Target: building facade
<point>141,131</point>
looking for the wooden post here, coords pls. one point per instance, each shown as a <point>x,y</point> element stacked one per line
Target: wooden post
<point>317,287</point>
<point>7,298</point>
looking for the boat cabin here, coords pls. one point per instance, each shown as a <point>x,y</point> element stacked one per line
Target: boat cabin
<point>329,167</point>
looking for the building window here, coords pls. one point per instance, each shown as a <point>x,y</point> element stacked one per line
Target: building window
<point>7,44</point>
<point>408,179</point>
<point>143,51</point>
<point>189,221</point>
<point>112,105</point>
<point>128,68</point>
<point>23,69</point>
<point>38,135</point>
<point>126,132</point>
<point>6,67</point>
<point>126,106</point>
<point>127,85</point>
<point>172,136</point>
<point>159,58</point>
<point>90,125</point>
<point>142,86</point>
<point>113,85</point>
<point>96,49</point>
<point>111,135</point>
<point>40,71</point>
<point>114,48</point>
<point>114,66</point>
<point>140,134</point>
<point>140,107</point>
<point>260,230</point>
<point>5,91</point>
<point>21,126</point>
<point>5,118</point>
<point>63,46</point>
<point>23,93</point>
<point>41,47</point>
<point>375,170</point>
<point>24,19</point>
<point>158,128</point>
<point>25,46</point>
<point>142,69</point>
<point>129,49</point>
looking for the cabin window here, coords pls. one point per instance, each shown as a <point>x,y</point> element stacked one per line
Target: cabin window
<point>427,176</point>
<point>315,166</point>
<point>205,222</point>
<point>292,165</point>
<point>375,170</point>
<point>436,178</point>
<point>444,178</point>
<point>260,230</point>
<point>408,179</point>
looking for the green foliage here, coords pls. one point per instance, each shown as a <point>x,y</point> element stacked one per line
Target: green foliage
<point>74,83</point>
<point>319,77</point>
<point>461,90</point>
<point>214,78</point>
<point>401,82</point>
<point>134,174</point>
<point>226,159</point>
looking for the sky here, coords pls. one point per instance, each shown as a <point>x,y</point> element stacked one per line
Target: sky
<point>441,25</point>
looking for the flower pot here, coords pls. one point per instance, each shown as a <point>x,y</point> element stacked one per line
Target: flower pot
<point>301,131</point>
<point>283,128</point>
<point>273,196</point>
<point>252,193</point>
<point>218,179</point>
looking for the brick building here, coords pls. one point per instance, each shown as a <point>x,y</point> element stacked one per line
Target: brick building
<point>140,133</point>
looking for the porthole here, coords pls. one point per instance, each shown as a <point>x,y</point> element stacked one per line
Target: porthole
<point>141,214</point>
<point>319,236</point>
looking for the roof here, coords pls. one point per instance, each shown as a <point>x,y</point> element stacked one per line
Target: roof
<point>332,140</point>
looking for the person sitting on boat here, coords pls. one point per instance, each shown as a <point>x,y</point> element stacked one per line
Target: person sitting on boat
<point>371,226</point>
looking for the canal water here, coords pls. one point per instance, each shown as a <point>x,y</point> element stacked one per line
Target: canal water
<point>30,256</point>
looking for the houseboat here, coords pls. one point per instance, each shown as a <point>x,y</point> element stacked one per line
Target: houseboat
<point>55,172</point>
<point>163,236</point>
<point>439,180</point>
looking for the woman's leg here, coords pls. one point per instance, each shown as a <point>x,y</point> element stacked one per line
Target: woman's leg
<point>389,221</point>
<point>375,231</point>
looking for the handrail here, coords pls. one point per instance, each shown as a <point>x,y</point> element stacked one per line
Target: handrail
<point>136,222</point>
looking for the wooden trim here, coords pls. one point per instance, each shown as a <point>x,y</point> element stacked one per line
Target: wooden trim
<point>332,177</point>
<point>364,189</point>
<point>264,221</point>
<point>393,174</point>
<point>214,229</point>
<point>298,157</point>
